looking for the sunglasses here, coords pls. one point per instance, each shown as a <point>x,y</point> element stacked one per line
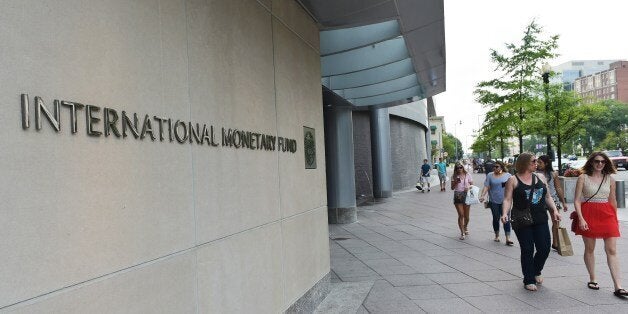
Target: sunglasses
<point>597,161</point>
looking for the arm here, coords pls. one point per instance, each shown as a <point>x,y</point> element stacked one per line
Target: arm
<point>550,202</point>
<point>507,204</point>
<point>559,191</point>
<point>577,202</point>
<point>611,196</point>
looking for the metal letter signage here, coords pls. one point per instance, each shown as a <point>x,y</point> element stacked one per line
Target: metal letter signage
<point>309,147</point>
<point>107,122</point>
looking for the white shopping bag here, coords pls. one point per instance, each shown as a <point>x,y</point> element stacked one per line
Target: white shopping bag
<point>473,195</point>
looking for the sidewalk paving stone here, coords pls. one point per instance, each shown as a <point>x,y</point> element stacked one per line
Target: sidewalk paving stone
<point>407,246</point>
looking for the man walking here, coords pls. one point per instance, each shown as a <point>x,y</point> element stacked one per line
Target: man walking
<point>425,176</point>
<point>441,166</point>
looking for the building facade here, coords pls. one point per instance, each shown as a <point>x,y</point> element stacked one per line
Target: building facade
<point>184,156</point>
<point>611,83</point>
<point>437,129</point>
<point>568,72</point>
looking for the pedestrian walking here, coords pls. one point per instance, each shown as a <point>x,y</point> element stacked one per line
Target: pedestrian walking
<point>596,210</point>
<point>527,193</point>
<point>494,186</point>
<point>544,166</point>
<point>461,181</point>
<point>425,176</point>
<point>441,167</point>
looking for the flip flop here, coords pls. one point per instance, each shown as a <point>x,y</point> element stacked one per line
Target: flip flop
<point>538,279</point>
<point>461,237</point>
<point>621,293</point>
<point>496,240</point>
<point>510,243</point>
<point>531,287</point>
<point>593,285</point>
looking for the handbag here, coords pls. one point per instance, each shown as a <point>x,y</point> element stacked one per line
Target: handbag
<point>472,195</point>
<point>564,243</point>
<point>522,217</point>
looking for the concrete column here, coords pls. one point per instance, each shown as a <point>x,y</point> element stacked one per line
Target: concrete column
<point>341,204</point>
<point>380,151</point>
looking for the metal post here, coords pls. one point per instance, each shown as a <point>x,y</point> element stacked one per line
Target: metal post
<point>620,193</point>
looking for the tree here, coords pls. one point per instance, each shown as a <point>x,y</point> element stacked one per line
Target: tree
<point>449,145</point>
<point>512,91</point>
<point>565,119</point>
<point>612,118</point>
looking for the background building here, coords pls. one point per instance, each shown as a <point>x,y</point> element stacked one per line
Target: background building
<point>437,129</point>
<point>611,83</point>
<point>568,72</point>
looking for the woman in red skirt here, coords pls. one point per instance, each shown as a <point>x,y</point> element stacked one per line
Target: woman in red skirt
<point>596,208</point>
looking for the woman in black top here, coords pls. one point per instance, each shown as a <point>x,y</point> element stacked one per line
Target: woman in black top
<point>518,190</point>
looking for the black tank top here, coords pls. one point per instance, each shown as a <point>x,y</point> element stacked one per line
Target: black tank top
<point>521,195</point>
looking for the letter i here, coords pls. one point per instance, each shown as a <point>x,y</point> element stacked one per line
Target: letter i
<point>25,115</point>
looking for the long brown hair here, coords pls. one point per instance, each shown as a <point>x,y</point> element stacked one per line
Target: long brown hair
<point>609,168</point>
<point>456,172</point>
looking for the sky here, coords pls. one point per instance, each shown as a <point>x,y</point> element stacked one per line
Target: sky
<point>589,30</point>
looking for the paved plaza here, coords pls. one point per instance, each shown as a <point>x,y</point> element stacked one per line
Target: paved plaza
<point>404,256</point>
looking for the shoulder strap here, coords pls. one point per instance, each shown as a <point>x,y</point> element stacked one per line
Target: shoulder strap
<point>598,188</point>
<point>531,190</point>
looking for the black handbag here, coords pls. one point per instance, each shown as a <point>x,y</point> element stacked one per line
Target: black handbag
<point>522,217</point>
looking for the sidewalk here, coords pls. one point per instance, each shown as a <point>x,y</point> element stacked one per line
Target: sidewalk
<point>404,256</point>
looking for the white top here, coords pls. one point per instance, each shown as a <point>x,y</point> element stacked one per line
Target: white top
<point>589,188</point>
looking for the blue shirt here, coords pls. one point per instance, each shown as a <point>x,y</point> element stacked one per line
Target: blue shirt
<point>497,186</point>
<point>425,170</point>
<point>442,167</point>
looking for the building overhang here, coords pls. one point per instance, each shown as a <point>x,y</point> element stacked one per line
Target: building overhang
<point>381,53</point>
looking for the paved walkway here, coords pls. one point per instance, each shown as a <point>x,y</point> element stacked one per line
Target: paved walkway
<point>405,257</point>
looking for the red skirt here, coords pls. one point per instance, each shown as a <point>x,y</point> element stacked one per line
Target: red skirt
<point>602,221</point>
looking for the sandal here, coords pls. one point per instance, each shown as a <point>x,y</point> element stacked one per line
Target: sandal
<point>593,285</point>
<point>538,279</point>
<point>530,287</point>
<point>510,243</point>
<point>621,293</point>
<point>466,232</point>
<point>496,240</point>
<point>461,237</point>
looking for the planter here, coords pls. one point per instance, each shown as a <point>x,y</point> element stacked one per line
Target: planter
<point>569,187</point>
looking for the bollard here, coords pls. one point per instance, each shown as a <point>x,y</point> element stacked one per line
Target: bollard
<point>620,193</point>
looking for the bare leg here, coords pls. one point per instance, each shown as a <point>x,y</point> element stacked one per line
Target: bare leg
<point>589,257</point>
<point>610,246</point>
<point>460,210</point>
<point>467,210</point>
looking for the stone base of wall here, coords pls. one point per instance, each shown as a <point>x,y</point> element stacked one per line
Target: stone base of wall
<point>342,215</point>
<point>313,297</point>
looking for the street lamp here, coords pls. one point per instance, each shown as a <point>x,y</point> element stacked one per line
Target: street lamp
<point>456,138</point>
<point>545,72</point>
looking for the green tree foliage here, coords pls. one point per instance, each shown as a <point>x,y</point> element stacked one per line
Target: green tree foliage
<point>449,145</point>
<point>614,140</point>
<point>566,117</point>
<point>612,118</point>
<point>510,95</point>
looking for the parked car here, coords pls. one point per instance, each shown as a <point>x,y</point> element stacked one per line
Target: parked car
<point>617,158</point>
<point>572,157</point>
